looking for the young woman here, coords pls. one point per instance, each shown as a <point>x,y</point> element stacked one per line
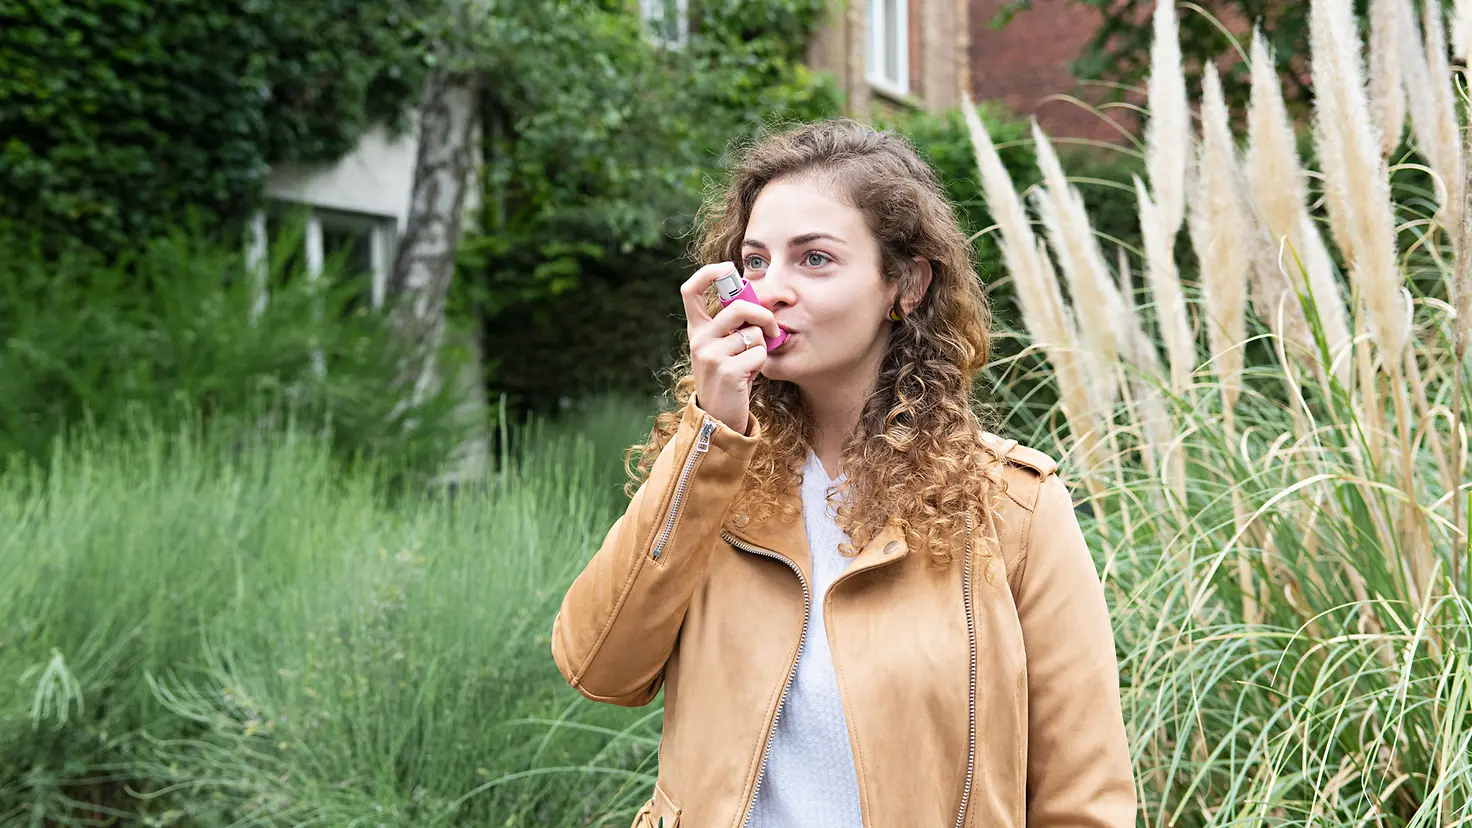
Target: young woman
<point>864,610</point>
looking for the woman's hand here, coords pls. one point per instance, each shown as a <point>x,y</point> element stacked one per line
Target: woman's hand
<point>726,351</point>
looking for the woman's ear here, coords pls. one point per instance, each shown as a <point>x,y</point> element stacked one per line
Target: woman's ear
<point>921,274</point>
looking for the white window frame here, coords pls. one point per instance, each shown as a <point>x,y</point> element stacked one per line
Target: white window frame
<point>382,238</point>
<point>881,41</point>
<point>653,14</point>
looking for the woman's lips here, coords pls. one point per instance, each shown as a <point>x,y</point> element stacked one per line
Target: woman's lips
<point>783,345</point>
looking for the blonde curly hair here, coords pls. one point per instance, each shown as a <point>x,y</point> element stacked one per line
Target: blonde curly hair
<point>916,455</point>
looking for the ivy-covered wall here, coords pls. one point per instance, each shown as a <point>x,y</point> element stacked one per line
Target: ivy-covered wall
<point>119,118</point>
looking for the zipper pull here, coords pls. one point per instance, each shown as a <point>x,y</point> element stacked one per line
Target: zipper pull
<point>707,428</point>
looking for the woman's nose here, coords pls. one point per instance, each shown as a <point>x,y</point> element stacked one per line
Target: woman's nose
<point>775,288</point>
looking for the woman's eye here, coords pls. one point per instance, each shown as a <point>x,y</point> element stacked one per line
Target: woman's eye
<point>755,263</point>
<point>816,259</point>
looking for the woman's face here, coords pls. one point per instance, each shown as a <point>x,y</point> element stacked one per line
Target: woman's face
<point>814,263</point>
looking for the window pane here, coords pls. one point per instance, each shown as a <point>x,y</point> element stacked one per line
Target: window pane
<point>350,245</point>
<point>666,20</point>
<point>282,218</point>
<point>875,41</point>
<point>353,248</point>
<point>892,40</point>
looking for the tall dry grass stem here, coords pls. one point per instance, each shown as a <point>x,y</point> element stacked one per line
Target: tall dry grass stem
<point>1224,238</point>
<point>1461,289</point>
<point>1154,419</point>
<point>1358,196</point>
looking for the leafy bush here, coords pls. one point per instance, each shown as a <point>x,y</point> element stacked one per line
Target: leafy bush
<point>121,115</point>
<point>598,146</point>
<point>614,333</point>
<point>167,333</point>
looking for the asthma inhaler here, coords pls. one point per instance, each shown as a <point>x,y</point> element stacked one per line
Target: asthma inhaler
<point>733,287</point>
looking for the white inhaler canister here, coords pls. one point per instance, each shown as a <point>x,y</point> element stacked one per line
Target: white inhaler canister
<point>732,287</point>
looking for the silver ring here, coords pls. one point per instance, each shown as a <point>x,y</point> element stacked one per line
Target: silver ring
<point>745,338</point>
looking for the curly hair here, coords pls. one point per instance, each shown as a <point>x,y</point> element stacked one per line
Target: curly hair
<point>916,454</point>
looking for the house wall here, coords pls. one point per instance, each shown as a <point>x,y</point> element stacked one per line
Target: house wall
<point>376,178</point>
<point>1027,61</point>
<point>938,56</point>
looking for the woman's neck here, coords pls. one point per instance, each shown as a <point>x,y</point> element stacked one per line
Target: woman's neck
<point>835,414</point>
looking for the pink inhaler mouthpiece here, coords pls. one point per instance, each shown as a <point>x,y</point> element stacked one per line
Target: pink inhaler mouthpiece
<point>733,287</point>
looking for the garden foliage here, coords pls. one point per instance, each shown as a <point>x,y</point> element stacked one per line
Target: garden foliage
<point>119,118</point>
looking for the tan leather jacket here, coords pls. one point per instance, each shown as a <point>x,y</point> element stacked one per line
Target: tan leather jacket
<point>975,696</point>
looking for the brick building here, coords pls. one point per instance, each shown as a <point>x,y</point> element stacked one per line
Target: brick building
<point>895,53</point>
<point>1027,61</point>
<point>923,53</point>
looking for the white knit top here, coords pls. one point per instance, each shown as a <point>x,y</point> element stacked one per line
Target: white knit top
<point>810,781</point>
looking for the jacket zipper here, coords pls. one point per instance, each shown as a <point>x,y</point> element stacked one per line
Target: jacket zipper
<point>791,670</point>
<point>971,692</point>
<point>702,445</point>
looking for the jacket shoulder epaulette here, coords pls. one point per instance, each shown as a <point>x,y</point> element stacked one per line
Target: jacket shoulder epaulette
<point>1017,454</point>
<point>1021,486</point>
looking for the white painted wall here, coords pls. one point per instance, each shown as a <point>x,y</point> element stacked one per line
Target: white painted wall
<point>375,178</point>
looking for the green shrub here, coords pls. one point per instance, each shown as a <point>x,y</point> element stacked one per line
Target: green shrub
<point>166,335</point>
<point>118,116</point>
<point>613,333</point>
<point>594,173</point>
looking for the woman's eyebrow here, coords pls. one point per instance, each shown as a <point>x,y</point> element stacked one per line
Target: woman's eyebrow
<point>795,241</point>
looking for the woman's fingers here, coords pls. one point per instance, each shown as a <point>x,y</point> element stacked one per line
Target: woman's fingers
<point>743,339</point>
<point>726,350</point>
<point>739,315</point>
<point>694,288</point>
<point>744,365</point>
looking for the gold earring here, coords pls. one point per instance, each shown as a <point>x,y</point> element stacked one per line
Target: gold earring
<point>894,315</point>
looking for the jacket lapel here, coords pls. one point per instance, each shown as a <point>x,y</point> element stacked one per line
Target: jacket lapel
<point>785,537</point>
<point>789,539</point>
<point>886,547</point>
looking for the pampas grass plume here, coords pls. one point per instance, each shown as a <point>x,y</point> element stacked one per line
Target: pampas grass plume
<point>1357,187</point>
<point>1220,233</point>
<point>1165,291</point>
<point>1279,191</point>
<point>1387,81</point>
<point>1168,133</point>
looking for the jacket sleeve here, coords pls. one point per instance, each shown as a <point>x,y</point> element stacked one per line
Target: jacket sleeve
<point>620,619</point>
<point>1078,765</point>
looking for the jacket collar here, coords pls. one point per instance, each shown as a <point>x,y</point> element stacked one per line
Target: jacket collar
<point>788,538</point>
